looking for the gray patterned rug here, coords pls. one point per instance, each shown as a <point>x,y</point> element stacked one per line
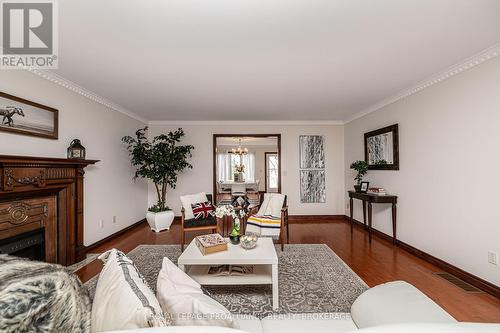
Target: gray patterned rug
<point>312,279</point>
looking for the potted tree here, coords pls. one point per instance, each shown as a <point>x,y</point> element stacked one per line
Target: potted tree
<point>159,160</point>
<point>362,168</point>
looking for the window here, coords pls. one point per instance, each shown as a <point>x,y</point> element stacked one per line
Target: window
<point>272,172</point>
<point>227,162</point>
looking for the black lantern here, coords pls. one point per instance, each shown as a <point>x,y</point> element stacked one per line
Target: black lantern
<point>76,150</point>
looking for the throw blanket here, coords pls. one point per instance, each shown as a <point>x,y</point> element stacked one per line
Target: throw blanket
<point>267,222</point>
<point>265,225</point>
<point>40,297</point>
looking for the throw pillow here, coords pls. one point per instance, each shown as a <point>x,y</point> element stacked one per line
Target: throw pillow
<point>188,200</point>
<point>203,210</point>
<point>182,297</point>
<point>41,297</point>
<point>123,300</point>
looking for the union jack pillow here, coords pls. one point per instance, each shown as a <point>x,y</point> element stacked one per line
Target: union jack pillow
<point>203,210</point>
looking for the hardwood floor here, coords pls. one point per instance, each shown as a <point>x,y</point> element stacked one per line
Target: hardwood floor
<point>375,263</point>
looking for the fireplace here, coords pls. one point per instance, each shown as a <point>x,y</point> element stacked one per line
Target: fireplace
<point>41,208</point>
<point>27,245</point>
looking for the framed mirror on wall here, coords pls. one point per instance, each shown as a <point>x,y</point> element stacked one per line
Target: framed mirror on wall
<point>382,148</point>
<point>245,166</point>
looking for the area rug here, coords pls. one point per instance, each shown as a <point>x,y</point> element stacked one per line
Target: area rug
<point>312,279</point>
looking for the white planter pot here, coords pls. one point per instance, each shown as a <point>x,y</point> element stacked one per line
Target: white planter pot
<point>160,221</point>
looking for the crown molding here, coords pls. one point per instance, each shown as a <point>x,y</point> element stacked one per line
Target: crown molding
<point>485,55</point>
<point>244,122</point>
<point>63,82</point>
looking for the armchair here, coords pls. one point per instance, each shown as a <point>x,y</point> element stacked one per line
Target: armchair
<point>271,219</point>
<point>209,223</point>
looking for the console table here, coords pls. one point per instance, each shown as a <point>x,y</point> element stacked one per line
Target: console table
<point>371,199</point>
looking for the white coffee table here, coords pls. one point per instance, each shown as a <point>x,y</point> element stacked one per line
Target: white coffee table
<point>263,257</point>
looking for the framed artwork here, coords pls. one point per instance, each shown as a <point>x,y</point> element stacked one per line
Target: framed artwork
<point>312,169</point>
<point>312,186</point>
<point>20,116</point>
<point>382,148</point>
<point>364,187</point>
<point>312,153</point>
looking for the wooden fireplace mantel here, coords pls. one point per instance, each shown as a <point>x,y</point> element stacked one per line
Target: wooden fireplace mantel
<point>30,187</point>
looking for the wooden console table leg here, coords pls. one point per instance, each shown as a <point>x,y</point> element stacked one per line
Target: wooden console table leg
<point>351,211</point>
<point>364,213</point>
<point>394,223</point>
<point>370,221</point>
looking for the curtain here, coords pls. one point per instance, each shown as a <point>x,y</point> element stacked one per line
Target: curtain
<point>224,171</point>
<point>249,163</point>
<point>225,166</point>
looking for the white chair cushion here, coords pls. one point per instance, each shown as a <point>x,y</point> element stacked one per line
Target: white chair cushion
<point>182,297</point>
<point>394,303</point>
<point>309,323</point>
<point>239,189</point>
<point>188,200</point>
<point>272,204</point>
<point>122,300</point>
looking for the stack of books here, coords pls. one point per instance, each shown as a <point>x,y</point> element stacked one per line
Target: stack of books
<point>230,270</point>
<point>376,191</point>
<point>211,243</point>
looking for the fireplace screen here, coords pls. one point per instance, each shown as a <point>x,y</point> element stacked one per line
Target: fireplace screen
<point>27,245</point>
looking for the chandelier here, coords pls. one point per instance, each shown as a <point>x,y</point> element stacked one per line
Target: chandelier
<point>239,150</point>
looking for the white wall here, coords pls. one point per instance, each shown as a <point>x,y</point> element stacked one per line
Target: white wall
<point>260,164</point>
<point>449,159</point>
<point>109,189</point>
<point>200,177</point>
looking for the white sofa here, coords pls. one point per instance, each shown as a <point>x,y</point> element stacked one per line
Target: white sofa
<point>391,307</point>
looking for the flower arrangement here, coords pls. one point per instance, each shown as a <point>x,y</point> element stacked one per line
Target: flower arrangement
<point>228,210</point>
<point>239,168</point>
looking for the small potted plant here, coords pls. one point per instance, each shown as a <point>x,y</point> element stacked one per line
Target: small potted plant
<point>362,168</point>
<point>159,160</point>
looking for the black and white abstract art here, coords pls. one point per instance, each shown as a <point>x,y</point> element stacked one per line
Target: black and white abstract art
<point>312,153</point>
<point>312,186</point>
<point>312,169</point>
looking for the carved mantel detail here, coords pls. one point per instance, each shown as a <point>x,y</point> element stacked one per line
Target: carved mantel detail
<point>11,179</point>
<point>41,192</point>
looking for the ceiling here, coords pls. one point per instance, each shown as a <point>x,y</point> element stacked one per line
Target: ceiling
<point>292,60</point>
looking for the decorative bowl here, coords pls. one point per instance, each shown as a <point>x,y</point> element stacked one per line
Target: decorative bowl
<point>248,242</point>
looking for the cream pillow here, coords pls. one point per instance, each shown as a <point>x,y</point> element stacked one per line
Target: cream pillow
<point>183,298</point>
<point>188,200</point>
<point>122,298</point>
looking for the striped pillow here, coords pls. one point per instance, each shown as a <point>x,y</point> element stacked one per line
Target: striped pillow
<point>123,300</point>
